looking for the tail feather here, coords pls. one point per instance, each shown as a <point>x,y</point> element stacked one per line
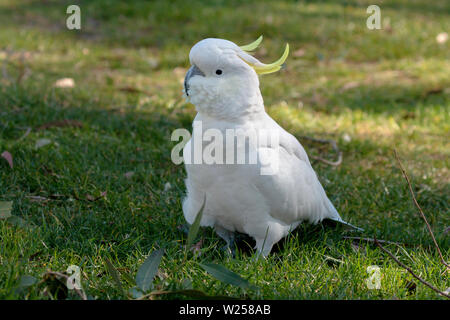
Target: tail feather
<point>348,224</point>
<point>337,218</point>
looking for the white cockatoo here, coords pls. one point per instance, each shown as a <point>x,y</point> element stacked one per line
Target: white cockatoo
<point>223,85</point>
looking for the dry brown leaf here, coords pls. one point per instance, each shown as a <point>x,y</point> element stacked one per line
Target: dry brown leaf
<point>8,157</point>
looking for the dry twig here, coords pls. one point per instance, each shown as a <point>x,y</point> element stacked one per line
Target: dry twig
<point>420,210</point>
<point>333,145</point>
<point>409,269</point>
<point>61,124</point>
<point>371,240</point>
<point>134,90</point>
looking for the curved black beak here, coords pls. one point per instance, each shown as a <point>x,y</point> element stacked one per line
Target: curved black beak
<point>193,71</point>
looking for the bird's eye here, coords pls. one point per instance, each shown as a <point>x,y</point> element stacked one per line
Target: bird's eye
<point>218,71</point>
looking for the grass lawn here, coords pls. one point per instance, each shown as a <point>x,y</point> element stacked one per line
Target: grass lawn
<point>101,187</point>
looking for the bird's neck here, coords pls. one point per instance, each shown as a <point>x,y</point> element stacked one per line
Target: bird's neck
<point>233,110</point>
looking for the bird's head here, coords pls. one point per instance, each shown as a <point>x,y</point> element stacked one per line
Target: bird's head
<point>223,78</point>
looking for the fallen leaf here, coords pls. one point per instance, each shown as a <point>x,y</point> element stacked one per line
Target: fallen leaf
<point>148,270</point>
<point>8,157</point>
<point>25,282</point>
<point>223,274</point>
<point>114,274</point>
<point>194,228</point>
<point>42,142</point>
<point>64,83</point>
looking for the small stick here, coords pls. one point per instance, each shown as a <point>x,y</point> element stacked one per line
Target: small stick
<point>331,163</point>
<point>420,210</point>
<point>371,240</point>
<point>61,124</point>
<point>410,270</point>
<point>135,90</point>
<point>333,145</point>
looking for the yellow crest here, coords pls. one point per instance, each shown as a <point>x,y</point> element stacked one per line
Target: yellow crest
<point>259,67</point>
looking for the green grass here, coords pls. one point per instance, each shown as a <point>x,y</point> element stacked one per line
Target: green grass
<point>383,89</point>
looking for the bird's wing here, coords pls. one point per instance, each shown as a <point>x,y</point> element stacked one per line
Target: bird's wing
<point>289,142</point>
<point>294,192</point>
